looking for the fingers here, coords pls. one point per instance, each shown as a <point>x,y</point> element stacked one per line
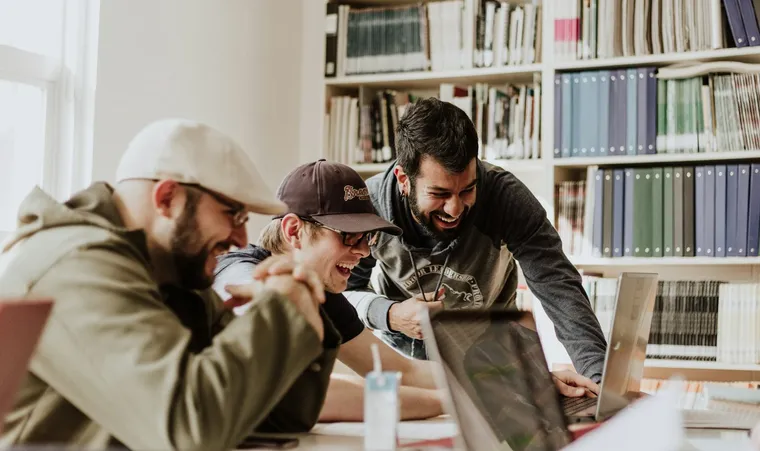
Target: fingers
<point>234,302</point>
<point>567,390</point>
<point>584,382</point>
<point>435,307</point>
<point>575,380</point>
<point>240,292</point>
<point>431,296</point>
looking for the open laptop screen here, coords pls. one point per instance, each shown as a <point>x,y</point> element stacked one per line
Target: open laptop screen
<point>496,373</point>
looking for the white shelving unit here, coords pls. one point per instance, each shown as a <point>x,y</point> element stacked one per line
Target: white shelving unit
<point>540,175</point>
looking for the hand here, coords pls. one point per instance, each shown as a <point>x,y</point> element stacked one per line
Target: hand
<point>286,264</point>
<point>574,385</point>
<point>404,316</point>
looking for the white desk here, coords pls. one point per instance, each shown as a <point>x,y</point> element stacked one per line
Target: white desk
<point>698,439</point>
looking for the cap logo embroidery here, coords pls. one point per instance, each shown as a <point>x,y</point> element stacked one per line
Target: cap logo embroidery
<point>352,193</point>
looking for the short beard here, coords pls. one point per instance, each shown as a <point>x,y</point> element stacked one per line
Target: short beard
<point>190,267</point>
<point>426,220</point>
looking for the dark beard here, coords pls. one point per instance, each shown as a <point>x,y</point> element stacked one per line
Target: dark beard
<point>190,267</point>
<point>426,221</point>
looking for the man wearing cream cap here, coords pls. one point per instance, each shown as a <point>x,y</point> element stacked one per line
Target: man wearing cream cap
<point>139,351</point>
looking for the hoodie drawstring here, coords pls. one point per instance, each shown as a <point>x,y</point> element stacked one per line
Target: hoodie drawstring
<point>422,292</point>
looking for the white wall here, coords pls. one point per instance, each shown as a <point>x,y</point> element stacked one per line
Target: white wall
<point>235,64</point>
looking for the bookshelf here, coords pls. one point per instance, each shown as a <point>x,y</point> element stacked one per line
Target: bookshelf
<point>543,173</point>
<point>514,74</point>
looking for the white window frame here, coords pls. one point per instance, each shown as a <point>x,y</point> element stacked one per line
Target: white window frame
<point>69,83</point>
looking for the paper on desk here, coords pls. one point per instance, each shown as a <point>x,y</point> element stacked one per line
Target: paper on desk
<point>407,430</point>
<point>652,424</point>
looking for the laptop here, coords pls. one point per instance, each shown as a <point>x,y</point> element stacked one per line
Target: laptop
<point>500,388</point>
<point>626,351</point>
<point>21,325</point>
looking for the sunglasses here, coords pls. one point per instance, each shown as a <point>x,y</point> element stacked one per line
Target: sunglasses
<point>237,212</point>
<point>349,239</point>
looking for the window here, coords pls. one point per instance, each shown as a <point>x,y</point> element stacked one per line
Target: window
<point>47,77</point>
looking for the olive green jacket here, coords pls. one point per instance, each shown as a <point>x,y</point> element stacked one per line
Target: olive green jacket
<point>114,365</point>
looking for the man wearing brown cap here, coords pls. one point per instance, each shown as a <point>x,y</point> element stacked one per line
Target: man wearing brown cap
<point>329,226</point>
<point>117,365</point>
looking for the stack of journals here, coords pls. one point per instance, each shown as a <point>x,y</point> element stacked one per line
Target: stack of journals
<point>681,211</point>
<point>692,320</point>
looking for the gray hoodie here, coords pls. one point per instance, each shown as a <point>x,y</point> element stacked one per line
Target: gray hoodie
<point>506,225</point>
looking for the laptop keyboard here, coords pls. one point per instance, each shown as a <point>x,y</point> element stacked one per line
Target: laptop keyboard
<point>574,405</point>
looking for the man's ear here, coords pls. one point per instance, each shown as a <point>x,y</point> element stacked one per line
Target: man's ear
<point>291,227</point>
<point>168,197</point>
<point>402,179</point>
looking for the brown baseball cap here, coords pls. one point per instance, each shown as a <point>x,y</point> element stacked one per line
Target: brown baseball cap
<point>332,194</point>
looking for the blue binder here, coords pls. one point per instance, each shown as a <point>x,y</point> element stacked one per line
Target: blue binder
<point>742,210</point>
<point>709,219</point>
<point>753,229</point>
<point>631,139</point>
<point>603,89</point>
<point>699,210</point>
<point>732,191</point>
<point>557,116</point>
<point>720,210</point>
<point>567,113</point>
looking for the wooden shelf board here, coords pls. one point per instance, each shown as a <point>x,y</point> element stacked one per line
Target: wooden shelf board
<point>664,261</point>
<point>369,168</point>
<point>426,79</point>
<point>580,162</point>
<point>744,54</point>
<point>700,365</point>
<point>521,165</point>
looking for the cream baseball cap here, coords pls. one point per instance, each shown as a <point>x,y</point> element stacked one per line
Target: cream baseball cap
<point>194,153</point>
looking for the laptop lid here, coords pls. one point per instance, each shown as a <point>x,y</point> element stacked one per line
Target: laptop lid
<point>499,385</point>
<point>629,335</point>
<point>21,324</point>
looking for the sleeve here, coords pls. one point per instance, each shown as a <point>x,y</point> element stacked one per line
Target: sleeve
<point>120,356</point>
<point>534,242</point>
<point>343,316</point>
<point>371,307</point>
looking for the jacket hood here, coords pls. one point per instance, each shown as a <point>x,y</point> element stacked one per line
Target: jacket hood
<point>92,206</point>
<point>389,201</point>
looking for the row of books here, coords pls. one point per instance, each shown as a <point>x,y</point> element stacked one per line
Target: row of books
<point>441,35</point>
<point>692,320</point>
<point>363,129</point>
<point>506,117</point>
<point>631,112</point>
<point>704,211</point>
<point>588,29</point>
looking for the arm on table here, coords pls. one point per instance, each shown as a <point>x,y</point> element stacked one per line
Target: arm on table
<point>132,371</point>
<point>345,401</point>
<point>356,355</point>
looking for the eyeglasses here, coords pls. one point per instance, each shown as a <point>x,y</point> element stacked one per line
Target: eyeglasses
<point>349,239</point>
<point>237,212</point>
